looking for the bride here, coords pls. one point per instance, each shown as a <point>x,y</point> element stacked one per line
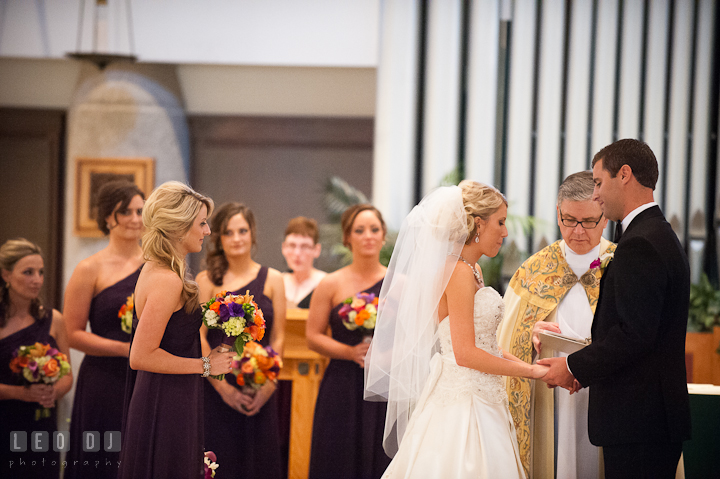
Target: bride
<point>434,356</point>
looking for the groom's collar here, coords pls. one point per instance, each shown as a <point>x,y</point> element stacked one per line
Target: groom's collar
<point>631,216</point>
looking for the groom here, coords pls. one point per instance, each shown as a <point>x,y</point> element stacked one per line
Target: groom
<point>635,367</point>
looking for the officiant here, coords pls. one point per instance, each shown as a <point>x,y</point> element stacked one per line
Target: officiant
<point>556,290</point>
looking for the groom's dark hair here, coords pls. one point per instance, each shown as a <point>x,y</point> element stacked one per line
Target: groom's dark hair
<point>634,153</point>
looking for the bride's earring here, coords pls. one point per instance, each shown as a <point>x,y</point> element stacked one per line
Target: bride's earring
<point>477,237</point>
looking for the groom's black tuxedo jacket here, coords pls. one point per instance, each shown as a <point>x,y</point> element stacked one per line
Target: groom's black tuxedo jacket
<point>635,366</point>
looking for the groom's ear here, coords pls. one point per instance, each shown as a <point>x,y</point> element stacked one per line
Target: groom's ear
<point>625,173</point>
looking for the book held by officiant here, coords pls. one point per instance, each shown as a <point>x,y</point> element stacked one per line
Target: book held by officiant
<point>562,343</point>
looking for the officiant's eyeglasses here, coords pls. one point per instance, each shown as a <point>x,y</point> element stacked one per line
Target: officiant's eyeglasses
<point>588,225</point>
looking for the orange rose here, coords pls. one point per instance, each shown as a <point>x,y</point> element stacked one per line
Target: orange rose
<point>261,334</point>
<point>361,317</point>
<point>241,380</point>
<point>254,332</point>
<point>375,301</point>
<point>251,348</point>
<point>51,368</point>
<point>259,378</point>
<point>61,356</point>
<point>246,368</point>
<point>264,362</point>
<point>15,365</point>
<point>271,375</point>
<point>39,350</point>
<point>258,320</point>
<point>216,307</point>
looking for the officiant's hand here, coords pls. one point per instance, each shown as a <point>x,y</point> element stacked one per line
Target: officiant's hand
<point>559,374</point>
<point>542,326</point>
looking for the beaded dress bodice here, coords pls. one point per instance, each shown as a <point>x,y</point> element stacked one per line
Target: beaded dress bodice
<point>457,382</point>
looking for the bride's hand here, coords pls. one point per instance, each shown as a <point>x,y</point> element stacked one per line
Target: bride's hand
<point>359,352</point>
<point>538,371</point>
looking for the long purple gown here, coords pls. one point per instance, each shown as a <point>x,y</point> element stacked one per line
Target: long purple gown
<point>20,415</point>
<point>100,387</point>
<point>163,427</point>
<point>347,431</point>
<point>247,447</point>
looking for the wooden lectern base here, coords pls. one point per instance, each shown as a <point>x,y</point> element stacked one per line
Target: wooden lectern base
<point>305,369</point>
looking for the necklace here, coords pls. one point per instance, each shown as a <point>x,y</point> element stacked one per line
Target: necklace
<point>475,271</point>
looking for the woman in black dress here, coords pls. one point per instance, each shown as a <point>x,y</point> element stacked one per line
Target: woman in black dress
<point>163,429</point>
<point>347,431</point>
<point>98,288</point>
<point>242,429</point>
<point>23,322</point>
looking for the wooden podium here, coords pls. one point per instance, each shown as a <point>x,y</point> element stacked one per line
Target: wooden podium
<point>305,369</point>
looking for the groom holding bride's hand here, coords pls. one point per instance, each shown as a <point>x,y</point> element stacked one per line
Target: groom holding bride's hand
<point>635,367</point>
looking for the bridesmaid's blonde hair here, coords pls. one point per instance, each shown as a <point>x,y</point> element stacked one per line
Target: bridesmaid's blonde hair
<point>479,200</point>
<point>168,214</point>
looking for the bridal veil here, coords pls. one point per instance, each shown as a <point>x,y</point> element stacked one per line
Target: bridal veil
<point>405,339</point>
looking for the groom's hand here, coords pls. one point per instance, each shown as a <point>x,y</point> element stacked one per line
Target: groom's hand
<point>559,374</point>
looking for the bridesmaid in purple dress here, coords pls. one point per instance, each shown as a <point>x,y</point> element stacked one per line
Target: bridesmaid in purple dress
<point>23,322</point>
<point>347,431</point>
<point>241,429</point>
<point>99,287</point>
<point>163,430</point>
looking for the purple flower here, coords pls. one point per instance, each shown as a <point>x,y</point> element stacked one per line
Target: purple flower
<point>345,310</point>
<point>595,264</point>
<point>52,352</point>
<point>232,310</point>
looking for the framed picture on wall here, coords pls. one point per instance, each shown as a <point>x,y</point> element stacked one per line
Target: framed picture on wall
<point>92,173</point>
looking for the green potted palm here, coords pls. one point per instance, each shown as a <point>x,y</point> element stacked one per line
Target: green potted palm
<point>703,336</point>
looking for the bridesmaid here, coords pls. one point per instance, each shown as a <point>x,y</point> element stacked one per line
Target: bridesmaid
<point>23,322</point>
<point>98,288</point>
<point>347,431</point>
<point>241,429</point>
<point>163,429</point>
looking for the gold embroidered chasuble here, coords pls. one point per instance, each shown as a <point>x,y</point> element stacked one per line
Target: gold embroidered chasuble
<point>536,289</point>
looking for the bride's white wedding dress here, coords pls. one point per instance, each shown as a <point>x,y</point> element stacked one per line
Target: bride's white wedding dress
<point>461,426</point>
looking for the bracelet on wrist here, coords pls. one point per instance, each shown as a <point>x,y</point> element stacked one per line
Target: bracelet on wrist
<point>206,366</point>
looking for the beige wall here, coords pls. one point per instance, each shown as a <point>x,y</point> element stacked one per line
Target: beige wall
<point>210,89</point>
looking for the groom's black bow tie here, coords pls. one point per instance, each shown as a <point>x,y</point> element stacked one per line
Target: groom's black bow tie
<point>618,232</point>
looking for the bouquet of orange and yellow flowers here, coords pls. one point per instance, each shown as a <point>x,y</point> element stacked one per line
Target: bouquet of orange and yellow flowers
<point>256,366</point>
<point>359,312</point>
<point>39,363</point>
<point>238,316</point>
<point>126,315</point>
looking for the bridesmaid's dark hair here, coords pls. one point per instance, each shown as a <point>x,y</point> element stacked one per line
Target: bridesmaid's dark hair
<point>348,218</point>
<point>217,264</point>
<point>109,195</point>
<point>11,252</point>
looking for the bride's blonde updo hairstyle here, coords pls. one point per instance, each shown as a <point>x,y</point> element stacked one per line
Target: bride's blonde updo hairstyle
<point>479,200</point>
<point>168,214</point>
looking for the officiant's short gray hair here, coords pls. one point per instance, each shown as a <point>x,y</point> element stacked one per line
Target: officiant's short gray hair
<point>576,187</point>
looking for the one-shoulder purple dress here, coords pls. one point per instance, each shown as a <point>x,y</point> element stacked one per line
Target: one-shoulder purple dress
<point>163,427</point>
<point>100,387</point>
<point>247,447</point>
<point>20,415</point>
<point>347,431</point>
